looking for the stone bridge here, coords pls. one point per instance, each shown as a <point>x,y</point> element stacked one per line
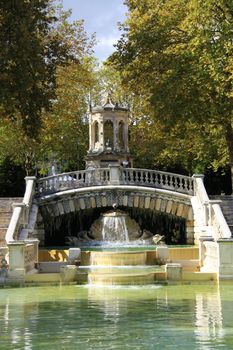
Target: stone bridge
<point>171,194</point>
<point>104,187</point>
<point>176,195</point>
<point>139,188</point>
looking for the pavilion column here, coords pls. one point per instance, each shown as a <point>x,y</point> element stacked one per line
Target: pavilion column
<point>126,137</point>
<point>115,135</point>
<point>101,135</point>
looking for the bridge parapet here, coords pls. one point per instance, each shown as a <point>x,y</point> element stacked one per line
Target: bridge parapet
<point>116,175</point>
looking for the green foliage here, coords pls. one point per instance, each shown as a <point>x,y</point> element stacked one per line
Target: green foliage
<point>46,79</point>
<point>177,54</point>
<point>35,38</point>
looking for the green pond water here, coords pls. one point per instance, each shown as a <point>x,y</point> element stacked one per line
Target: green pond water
<point>88,317</point>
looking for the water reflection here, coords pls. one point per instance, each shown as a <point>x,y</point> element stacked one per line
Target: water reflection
<point>209,319</point>
<point>182,317</point>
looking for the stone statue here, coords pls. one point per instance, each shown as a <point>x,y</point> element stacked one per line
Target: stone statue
<point>158,239</point>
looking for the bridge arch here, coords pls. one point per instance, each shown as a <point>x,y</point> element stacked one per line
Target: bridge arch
<point>149,199</point>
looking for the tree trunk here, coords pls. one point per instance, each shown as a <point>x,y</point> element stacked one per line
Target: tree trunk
<point>229,141</point>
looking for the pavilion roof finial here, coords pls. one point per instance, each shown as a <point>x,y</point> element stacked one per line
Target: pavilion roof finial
<point>109,103</point>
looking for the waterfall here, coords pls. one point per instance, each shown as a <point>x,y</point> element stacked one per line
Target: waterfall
<point>114,229</point>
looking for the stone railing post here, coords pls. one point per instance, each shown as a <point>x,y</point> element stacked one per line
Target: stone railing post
<point>114,174</point>
<point>225,259</point>
<point>197,177</point>
<point>202,196</point>
<point>16,261</point>
<point>23,255</point>
<point>35,243</point>
<point>202,248</point>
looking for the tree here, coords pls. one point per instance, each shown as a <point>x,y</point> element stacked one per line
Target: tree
<point>35,38</point>
<point>178,55</point>
<point>61,133</point>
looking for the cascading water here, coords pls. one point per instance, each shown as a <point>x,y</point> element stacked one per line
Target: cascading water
<point>117,228</point>
<point>114,228</point>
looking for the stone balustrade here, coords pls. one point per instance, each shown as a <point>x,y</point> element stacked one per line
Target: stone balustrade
<point>75,179</point>
<point>158,179</point>
<point>21,211</point>
<point>218,221</point>
<point>210,211</point>
<point>115,175</point>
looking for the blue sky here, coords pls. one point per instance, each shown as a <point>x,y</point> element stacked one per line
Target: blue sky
<point>100,16</point>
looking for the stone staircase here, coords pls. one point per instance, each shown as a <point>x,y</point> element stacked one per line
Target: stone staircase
<point>227,208</point>
<point>5,216</point>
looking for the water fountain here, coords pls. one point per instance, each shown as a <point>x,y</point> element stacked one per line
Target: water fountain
<point>115,227</point>
<point>119,259</point>
<point>115,232</point>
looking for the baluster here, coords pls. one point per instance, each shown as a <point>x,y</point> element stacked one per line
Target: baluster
<point>101,176</point>
<point>105,176</point>
<point>136,177</point>
<point>155,179</point>
<point>146,176</point>
<point>126,172</point>
<point>128,176</point>
<point>123,174</point>
<point>175,183</point>
<point>172,181</point>
<point>162,180</point>
<point>185,184</point>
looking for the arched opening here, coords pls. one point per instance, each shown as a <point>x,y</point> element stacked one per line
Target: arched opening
<point>108,133</point>
<point>78,224</point>
<point>96,132</point>
<point>121,139</point>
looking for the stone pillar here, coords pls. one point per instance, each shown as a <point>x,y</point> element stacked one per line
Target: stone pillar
<point>74,255</point>
<point>202,251</point>
<point>115,135</point>
<point>126,143</point>
<point>35,242</point>
<point>114,174</point>
<point>225,259</point>
<point>174,272</point>
<point>16,261</point>
<point>162,254</point>
<point>101,134</point>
